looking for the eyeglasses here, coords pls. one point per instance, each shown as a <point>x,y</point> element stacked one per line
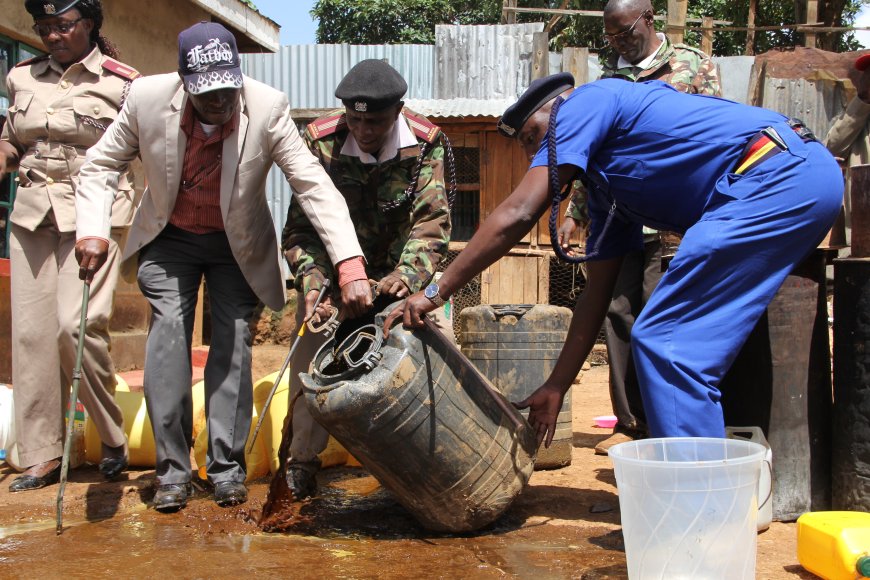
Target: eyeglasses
<point>63,27</point>
<point>620,36</point>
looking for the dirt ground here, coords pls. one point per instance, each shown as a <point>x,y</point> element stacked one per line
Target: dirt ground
<point>564,525</point>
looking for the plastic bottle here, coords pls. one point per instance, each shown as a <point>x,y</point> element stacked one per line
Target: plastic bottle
<point>835,545</point>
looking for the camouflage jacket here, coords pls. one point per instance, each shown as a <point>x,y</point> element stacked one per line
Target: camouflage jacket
<point>685,68</point>
<point>407,240</point>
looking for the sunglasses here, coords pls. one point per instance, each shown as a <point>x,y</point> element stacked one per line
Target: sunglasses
<point>625,34</point>
<point>64,27</point>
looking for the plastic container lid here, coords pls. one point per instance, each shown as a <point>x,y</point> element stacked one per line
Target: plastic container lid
<point>863,566</point>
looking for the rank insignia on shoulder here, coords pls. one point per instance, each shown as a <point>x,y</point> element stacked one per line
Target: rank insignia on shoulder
<point>422,127</point>
<point>120,69</point>
<point>326,126</point>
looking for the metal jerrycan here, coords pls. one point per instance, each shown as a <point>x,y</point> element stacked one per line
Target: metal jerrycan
<point>420,417</point>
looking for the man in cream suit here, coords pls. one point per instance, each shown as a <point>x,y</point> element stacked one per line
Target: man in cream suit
<point>208,137</point>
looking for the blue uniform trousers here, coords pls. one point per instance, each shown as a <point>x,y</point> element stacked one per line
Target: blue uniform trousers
<point>755,228</point>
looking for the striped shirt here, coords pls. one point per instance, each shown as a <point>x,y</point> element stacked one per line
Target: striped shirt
<point>198,204</point>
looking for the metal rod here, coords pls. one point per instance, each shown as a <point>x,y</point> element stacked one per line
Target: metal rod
<point>284,366</point>
<point>71,412</point>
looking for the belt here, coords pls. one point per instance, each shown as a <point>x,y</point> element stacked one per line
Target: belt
<point>767,143</point>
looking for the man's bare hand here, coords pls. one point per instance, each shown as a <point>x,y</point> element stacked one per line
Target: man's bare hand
<point>322,312</point>
<point>393,287</point>
<point>356,299</point>
<point>544,405</point>
<point>413,311</point>
<point>91,254</point>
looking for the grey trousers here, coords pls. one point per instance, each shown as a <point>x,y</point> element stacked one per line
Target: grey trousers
<point>46,312</point>
<point>640,274</point>
<point>309,438</point>
<point>171,269</point>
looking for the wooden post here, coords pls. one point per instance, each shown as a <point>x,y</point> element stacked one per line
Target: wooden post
<point>749,50</point>
<point>676,23</point>
<point>541,55</point>
<point>509,16</point>
<point>812,18</point>
<point>707,35</point>
<point>576,62</point>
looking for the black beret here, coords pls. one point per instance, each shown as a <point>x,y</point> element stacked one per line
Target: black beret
<point>43,8</point>
<point>540,91</point>
<point>371,85</point>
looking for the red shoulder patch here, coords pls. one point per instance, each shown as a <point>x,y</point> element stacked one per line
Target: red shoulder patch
<point>120,69</point>
<point>421,126</point>
<point>326,126</point>
<point>33,60</point>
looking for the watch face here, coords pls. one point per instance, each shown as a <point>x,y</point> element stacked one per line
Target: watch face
<point>431,291</point>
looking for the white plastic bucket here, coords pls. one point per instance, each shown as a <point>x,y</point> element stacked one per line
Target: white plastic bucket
<point>689,506</point>
<point>765,492</point>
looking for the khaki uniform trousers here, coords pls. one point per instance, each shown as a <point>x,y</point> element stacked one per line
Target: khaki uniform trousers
<point>309,438</point>
<point>46,313</point>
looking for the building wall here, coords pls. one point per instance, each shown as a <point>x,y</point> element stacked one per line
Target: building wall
<point>146,33</point>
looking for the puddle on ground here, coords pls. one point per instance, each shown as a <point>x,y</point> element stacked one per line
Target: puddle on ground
<point>354,529</point>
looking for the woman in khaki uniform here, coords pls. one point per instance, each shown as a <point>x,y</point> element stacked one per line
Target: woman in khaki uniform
<point>60,105</point>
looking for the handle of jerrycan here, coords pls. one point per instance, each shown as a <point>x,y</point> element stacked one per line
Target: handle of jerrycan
<point>517,310</point>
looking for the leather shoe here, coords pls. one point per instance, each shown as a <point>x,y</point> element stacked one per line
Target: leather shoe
<point>115,460</point>
<point>301,481</point>
<point>27,482</point>
<point>172,497</point>
<point>229,493</point>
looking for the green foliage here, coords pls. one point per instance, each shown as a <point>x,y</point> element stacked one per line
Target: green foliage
<point>249,4</point>
<point>396,21</point>
<point>413,21</point>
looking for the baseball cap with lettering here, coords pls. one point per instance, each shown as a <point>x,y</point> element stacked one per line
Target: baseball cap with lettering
<point>208,58</point>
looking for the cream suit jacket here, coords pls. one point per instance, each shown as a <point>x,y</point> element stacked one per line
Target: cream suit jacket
<point>150,125</point>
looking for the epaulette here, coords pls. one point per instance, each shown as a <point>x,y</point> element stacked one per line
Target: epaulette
<point>33,60</point>
<point>422,127</point>
<point>120,69</point>
<point>325,126</point>
<point>698,51</point>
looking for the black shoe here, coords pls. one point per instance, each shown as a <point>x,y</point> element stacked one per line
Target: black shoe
<point>229,493</point>
<point>115,460</point>
<point>301,482</point>
<point>27,482</point>
<point>172,497</point>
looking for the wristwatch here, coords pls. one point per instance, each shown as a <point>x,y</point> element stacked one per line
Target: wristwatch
<point>431,292</point>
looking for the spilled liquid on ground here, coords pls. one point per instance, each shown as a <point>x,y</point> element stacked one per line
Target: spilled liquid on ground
<point>353,529</point>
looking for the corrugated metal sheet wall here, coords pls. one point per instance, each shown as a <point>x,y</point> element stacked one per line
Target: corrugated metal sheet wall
<point>483,62</point>
<point>309,73</point>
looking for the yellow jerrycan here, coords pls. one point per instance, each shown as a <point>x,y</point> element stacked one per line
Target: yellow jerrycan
<point>137,426</point>
<point>273,423</point>
<point>835,545</point>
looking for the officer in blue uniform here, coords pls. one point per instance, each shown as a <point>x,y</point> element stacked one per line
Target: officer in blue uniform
<point>752,192</point>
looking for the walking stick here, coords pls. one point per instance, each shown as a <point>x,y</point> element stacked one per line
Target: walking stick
<point>71,413</point>
<point>284,366</point>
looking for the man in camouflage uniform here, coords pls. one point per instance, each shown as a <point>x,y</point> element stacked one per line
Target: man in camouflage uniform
<point>639,54</point>
<point>388,164</point>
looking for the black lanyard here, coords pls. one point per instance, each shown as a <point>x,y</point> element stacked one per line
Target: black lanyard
<point>556,192</point>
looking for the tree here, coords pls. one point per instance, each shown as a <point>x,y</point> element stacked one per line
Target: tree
<point>413,21</point>
<point>396,21</point>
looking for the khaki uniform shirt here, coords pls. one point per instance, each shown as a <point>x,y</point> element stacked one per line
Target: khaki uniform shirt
<point>54,117</point>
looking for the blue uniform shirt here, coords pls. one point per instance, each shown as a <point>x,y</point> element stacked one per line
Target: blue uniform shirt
<point>657,153</point>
